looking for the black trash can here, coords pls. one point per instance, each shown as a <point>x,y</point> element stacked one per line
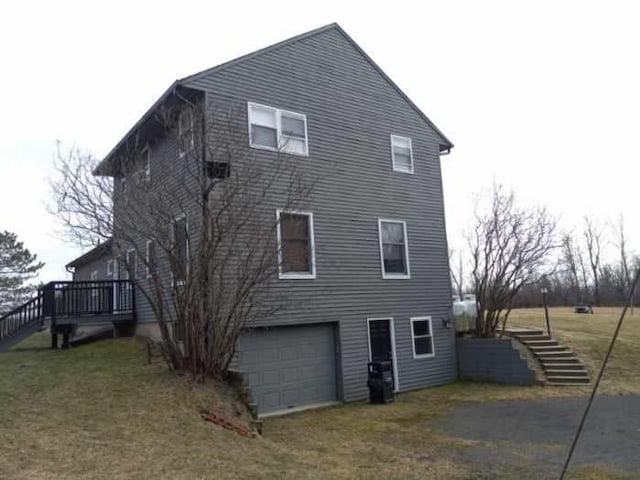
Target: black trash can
<point>380,382</point>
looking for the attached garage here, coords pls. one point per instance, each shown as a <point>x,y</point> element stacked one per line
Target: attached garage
<point>289,367</point>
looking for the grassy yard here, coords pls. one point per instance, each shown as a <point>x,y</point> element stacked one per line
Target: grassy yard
<point>99,411</point>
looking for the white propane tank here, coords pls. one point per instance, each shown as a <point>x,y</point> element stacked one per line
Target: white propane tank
<point>465,312</point>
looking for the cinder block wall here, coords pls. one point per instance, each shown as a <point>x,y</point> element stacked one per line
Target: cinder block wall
<point>493,360</point>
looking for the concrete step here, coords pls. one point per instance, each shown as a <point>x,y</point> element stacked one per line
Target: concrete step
<point>547,348</point>
<point>563,379</point>
<point>566,373</point>
<point>523,332</point>
<point>534,338</point>
<point>544,355</point>
<point>554,364</point>
<point>539,343</point>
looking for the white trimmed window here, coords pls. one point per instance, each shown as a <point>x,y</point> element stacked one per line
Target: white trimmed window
<point>422,337</point>
<point>394,248</point>
<point>296,246</point>
<point>275,129</point>
<point>186,132</point>
<point>180,237</point>
<point>146,164</point>
<point>401,154</point>
<point>109,268</point>
<point>132,265</point>
<point>94,288</point>
<point>151,258</point>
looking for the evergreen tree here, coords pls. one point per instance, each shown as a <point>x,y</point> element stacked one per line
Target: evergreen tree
<point>17,266</point>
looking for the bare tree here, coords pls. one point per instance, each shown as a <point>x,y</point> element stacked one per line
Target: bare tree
<point>509,246</point>
<point>569,260</point>
<point>199,242</point>
<point>457,272</point>
<point>594,238</point>
<point>83,202</point>
<point>622,246</point>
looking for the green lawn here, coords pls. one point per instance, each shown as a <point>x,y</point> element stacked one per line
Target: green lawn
<point>99,411</point>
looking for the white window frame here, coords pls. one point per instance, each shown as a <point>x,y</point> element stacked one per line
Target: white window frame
<point>296,275</point>
<point>278,114</point>
<point>173,239</point>
<point>394,362</point>
<point>110,268</point>
<point>146,171</point>
<point>393,155</point>
<point>430,336</point>
<point>135,265</point>
<point>93,277</point>
<point>147,257</point>
<point>192,142</point>
<point>396,276</point>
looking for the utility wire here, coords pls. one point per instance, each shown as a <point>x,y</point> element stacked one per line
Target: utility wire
<point>604,365</point>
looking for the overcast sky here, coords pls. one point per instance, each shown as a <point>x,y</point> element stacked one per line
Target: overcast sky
<point>541,96</point>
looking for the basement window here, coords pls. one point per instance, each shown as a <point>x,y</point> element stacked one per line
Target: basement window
<point>422,337</point>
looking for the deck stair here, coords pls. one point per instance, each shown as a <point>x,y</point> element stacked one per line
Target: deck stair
<point>559,363</point>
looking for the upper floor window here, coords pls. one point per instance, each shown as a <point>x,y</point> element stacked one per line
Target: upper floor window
<point>274,129</point>
<point>131,270</point>
<point>401,154</point>
<point>109,268</point>
<point>186,132</point>
<point>422,337</point>
<point>394,248</point>
<point>180,262</point>
<point>145,168</point>
<point>151,258</point>
<point>296,247</point>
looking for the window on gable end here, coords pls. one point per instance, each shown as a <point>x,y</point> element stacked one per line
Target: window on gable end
<point>401,154</point>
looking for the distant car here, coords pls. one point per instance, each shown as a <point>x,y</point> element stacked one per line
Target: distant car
<point>583,309</point>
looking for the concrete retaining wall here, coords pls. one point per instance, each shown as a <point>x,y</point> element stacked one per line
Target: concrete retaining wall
<point>493,360</point>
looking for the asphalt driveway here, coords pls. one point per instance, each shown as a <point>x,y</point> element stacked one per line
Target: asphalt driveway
<point>530,439</point>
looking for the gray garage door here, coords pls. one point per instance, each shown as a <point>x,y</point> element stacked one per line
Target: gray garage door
<point>289,367</point>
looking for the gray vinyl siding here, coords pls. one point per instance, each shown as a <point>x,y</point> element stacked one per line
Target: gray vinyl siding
<point>171,181</point>
<point>83,272</point>
<point>351,112</point>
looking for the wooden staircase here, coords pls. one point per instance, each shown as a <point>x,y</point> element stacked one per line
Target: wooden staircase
<point>561,366</point>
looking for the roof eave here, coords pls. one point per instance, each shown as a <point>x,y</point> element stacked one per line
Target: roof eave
<point>102,168</point>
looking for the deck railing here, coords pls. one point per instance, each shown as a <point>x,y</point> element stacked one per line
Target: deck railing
<point>110,297</point>
<point>13,321</point>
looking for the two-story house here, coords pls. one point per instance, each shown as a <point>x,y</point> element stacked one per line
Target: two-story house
<point>375,283</point>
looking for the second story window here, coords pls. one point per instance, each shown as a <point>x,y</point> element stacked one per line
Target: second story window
<point>151,258</point>
<point>401,154</point>
<point>180,237</point>
<point>394,248</point>
<point>131,265</point>
<point>274,129</point>
<point>145,172</point>
<point>186,132</point>
<point>296,248</point>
